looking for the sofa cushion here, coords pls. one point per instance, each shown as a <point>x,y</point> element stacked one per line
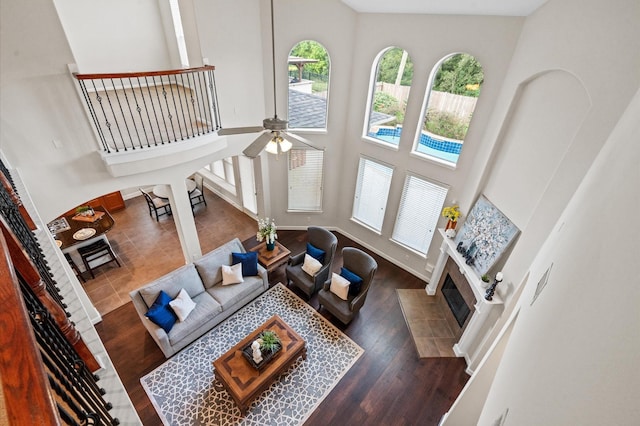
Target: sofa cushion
<point>182,305</point>
<point>209,265</point>
<point>161,313</point>
<point>249,262</point>
<point>229,295</point>
<point>206,308</point>
<point>232,274</point>
<point>185,277</point>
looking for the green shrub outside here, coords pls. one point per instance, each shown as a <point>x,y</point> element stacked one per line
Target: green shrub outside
<point>446,125</point>
<point>387,104</point>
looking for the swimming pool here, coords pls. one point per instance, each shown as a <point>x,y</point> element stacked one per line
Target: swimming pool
<point>429,144</point>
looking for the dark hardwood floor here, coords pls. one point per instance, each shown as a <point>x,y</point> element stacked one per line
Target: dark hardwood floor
<point>389,385</point>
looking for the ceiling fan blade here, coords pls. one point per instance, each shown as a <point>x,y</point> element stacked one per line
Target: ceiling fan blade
<point>256,147</point>
<point>302,140</point>
<point>240,130</point>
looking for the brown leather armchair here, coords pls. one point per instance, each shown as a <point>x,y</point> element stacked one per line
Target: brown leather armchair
<point>325,241</point>
<point>364,266</point>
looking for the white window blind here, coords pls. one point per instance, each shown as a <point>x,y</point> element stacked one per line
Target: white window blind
<point>305,179</point>
<point>372,191</point>
<point>418,214</point>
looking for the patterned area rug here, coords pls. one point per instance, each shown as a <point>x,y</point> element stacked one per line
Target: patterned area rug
<point>182,389</point>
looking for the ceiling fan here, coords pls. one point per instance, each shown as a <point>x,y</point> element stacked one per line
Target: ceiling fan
<point>275,136</point>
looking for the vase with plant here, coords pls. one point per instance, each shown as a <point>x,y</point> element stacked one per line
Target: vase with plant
<point>267,232</point>
<point>452,213</point>
<point>269,342</point>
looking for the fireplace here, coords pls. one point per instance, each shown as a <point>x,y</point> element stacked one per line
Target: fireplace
<point>451,280</point>
<point>454,299</point>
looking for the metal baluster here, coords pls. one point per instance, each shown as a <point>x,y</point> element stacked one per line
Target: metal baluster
<point>215,99</point>
<point>186,101</point>
<point>194,85</point>
<point>204,99</point>
<point>115,92</point>
<point>135,126</point>
<point>104,114</point>
<point>175,107</point>
<point>144,102</point>
<point>94,117</point>
<point>113,114</point>
<point>164,94</point>
<point>75,384</point>
<point>154,108</point>
<point>17,224</point>
<point>209,97</point>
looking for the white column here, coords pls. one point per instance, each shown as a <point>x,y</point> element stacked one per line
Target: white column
<point>438,268</point>
<point>183,218</point>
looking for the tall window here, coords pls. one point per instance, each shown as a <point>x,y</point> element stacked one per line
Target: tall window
<point>308,85</point>
<point>305,179</point>
<point>448,107</point>
<point>224,170</point>
<point>177,25</point>
<point>419,211</point>
<point>390,85</point>
<point>372,191</point>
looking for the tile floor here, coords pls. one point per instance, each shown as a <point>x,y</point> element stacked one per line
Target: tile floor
<point>429,329</point>
<point>148,249</point>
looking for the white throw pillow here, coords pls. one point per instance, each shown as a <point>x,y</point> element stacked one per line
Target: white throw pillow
<point>311,266</point>
<point>339,286</point>
<point>182,305</point>
<point>232,274</point>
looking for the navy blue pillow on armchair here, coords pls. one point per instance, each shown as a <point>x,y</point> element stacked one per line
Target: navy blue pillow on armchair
<point>315,252</point>
<point>355,280</point>
<point>249,262</point>
<point>161,313</point>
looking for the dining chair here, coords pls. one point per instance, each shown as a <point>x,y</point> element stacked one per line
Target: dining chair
<point>197,195</point>
<point>157,206</point>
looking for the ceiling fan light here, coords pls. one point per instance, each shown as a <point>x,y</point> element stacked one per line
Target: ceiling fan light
<point>285,145</point>
<point>272,147</point>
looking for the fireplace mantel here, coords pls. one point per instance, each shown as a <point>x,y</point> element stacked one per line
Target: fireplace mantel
<point>478,326</point>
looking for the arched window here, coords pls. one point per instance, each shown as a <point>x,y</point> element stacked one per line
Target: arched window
<point>448,107</point>
<point>308,85</point>
<point>390,85</point>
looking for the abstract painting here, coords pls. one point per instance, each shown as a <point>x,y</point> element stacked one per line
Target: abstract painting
<point>485,235</point>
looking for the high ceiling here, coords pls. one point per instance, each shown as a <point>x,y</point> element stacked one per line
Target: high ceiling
<point>448,7</point>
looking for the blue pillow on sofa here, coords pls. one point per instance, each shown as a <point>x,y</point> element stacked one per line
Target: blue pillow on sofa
<point>161,313</point>
<point>315,252</point>
<point>355,280</point>
<point>249,262</point>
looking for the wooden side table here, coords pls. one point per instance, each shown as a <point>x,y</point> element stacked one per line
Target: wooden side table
<point>271,259</point>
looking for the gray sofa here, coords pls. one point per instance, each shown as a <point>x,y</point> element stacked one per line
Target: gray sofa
<point>203,282</point>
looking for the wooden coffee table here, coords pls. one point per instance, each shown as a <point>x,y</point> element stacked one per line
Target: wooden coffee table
<point>244,382</point>
<point>271,259</point>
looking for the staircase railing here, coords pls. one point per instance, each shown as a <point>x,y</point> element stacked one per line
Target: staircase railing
<point>141,110</point>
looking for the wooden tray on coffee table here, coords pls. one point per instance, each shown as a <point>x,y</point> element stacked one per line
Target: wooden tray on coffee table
<point>244,382</point>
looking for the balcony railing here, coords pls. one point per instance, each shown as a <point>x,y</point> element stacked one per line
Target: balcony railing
<point>47,370</point>
<point>141,110</point>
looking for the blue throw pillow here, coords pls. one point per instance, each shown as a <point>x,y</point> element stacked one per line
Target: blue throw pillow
<point>249,262</point>
<point>316,253</point>
<point>161,313</point>
<point>355,280</point>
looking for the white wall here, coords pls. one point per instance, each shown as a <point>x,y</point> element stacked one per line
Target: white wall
<point>116,35</point>
<point>572,357</point>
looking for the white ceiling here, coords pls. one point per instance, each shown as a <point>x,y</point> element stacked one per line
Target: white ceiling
<point>448,7</point>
